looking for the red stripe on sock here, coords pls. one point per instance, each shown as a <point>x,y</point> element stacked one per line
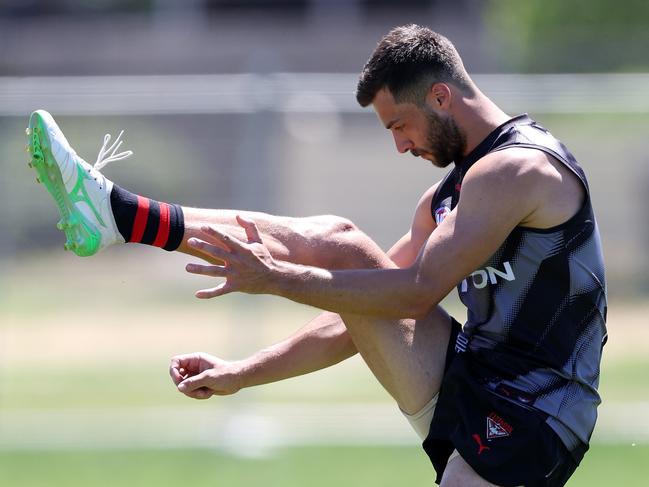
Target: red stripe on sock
<point>163,228</point>
<point>140,219</point>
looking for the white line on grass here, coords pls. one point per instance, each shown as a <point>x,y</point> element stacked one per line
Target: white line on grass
<point>253,430</point>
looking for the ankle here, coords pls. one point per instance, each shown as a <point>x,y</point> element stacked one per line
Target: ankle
<point>146,221</point>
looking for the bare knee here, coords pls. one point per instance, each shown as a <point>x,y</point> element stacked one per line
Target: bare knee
<point>328,227</point>
<point>341,244</point>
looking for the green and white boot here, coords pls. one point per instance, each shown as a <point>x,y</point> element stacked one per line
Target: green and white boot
<point>81,192</point>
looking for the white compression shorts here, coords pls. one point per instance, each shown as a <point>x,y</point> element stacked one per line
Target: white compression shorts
<point>420,421</point>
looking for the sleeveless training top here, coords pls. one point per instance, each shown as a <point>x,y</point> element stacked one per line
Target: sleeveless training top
<point>536,309</point>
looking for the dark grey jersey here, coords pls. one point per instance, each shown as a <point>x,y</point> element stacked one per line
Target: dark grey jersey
<point>536,309</point>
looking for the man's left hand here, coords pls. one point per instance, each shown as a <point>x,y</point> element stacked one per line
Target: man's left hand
<point>248,265</point>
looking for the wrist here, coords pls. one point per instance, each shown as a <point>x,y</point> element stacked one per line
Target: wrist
<point>280,277</point>
<point>245,372</point>
<point>297,282</point>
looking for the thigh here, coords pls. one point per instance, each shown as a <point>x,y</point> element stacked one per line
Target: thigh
<point>458,473</point>
<point>406,356</point>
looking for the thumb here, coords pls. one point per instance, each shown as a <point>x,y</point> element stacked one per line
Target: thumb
<point>251,229</point>
<point>195,382</point>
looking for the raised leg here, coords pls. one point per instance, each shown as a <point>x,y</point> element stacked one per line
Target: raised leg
<point>95,213</point>
<point>324,241</point>
<point>406,356</point>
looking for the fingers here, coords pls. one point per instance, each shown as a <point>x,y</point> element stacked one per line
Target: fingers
<point>209,249</point>
<point>207,270</point>
<point>214,271</point>
<point>198,386</point>
<point>214,292</point>
<point>244,261</point>
<point>230,242</point>
<point>185,365</point>
<point>226,241</point>
<point>202,393</point>
<point>251,229</point>
<point>210,270</point>
<point>178,374</point>
<point>194,383</point>
<point>182,366</point>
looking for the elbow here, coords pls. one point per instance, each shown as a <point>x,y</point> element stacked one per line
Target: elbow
<point>420,312</point>
<point>420,308</point>
<point>422,298</point>
<point>418,294</point>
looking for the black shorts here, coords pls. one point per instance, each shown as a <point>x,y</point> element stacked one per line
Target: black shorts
<point>504,442</point>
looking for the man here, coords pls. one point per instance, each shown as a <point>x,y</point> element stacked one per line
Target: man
<point>508,399</point>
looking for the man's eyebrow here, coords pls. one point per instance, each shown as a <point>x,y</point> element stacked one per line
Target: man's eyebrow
<point>391,123</point>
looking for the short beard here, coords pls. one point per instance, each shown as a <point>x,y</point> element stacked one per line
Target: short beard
<point>445,140</point>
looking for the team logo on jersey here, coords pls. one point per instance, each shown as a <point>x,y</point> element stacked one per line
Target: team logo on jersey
<point>488,275</point>
<point>497,427</point>
<point>441,213</point>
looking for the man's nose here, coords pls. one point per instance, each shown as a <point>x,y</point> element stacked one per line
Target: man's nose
<point>403,144</point>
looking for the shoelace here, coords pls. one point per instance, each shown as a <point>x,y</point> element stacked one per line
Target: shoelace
<point>107,154</point>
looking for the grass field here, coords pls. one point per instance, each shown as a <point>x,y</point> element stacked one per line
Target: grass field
<point>604,465</point>
<point>92,372</point>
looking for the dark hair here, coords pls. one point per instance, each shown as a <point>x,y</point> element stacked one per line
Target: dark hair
<point>408,61</point>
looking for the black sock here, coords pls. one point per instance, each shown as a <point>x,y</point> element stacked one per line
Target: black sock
<point>146,221</point>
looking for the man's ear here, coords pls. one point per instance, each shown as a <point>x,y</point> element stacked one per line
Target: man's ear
<point>439,96</point>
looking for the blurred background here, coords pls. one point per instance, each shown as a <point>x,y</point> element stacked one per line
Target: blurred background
<point>249,104</point>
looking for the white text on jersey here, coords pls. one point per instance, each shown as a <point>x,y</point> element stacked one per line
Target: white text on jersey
<point>482,277</point>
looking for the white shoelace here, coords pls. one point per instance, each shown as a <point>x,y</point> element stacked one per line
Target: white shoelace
<point>107,154</point>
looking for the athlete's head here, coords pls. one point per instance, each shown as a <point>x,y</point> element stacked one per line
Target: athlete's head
<point>411,78</point>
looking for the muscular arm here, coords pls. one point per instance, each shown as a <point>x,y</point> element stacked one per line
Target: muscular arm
<point>321,343</point>
<point>405,251</point>
<point>324,341</point>
<point>499,192</point>
<point>496,197</point>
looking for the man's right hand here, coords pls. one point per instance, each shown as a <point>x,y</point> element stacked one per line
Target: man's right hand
<point>200,375</point>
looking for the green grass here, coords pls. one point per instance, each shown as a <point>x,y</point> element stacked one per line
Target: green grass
<point>625,380</point>
<point>315,467</point>
<point>606,465</point>
<point>305,466</point>
<point>148,385</point>
<point>56,356</point>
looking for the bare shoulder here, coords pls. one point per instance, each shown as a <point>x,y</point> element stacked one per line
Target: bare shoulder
<point>427,198</point>
<point>423,218</point>
<point>520,163</point>
<point>549,191</point>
